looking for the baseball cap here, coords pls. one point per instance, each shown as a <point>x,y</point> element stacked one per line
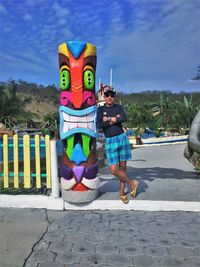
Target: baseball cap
<point>108,88</point>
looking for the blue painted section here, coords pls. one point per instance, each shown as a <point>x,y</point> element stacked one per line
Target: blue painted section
<point>20,150</point>
<point>166,142</point>
<point>78,113</point>
<point>78,155</point>
<point>76,47</point>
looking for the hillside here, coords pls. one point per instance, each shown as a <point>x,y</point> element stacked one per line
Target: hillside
<point>42,100</point>
<point>40,106</point>
<point>154,96</point>
<point>37,99</point>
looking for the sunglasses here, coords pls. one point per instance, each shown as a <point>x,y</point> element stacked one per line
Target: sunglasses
<point>111,94</point>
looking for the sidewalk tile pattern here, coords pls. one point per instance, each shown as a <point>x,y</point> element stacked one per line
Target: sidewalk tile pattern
<point>119,238</point>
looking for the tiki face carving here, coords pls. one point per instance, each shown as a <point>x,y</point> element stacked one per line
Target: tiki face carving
<point>77,62</point>
<point>77,74</point>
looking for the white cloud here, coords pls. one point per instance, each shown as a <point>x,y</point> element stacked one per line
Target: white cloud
<point>2,9</point>
<point>62,21</point>
<point>157,51</point>
<point>21,65</point>
<point>116,19</point>
<point>59,10</point>
<point>34,2</point>
<point>65,34</point>
<point>147,43</point>
<point>27,17</point>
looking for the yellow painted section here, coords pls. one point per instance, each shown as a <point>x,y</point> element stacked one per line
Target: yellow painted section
<point>90,50</point>
<point>5,160</point>
<point>64,68</point>
<point>62,49</point>
<point>37,161</point>
<point>27,167</point>
<point>87,67</point>
<point>27,161</point>
<point>48,161</point>
<point>16,161</point>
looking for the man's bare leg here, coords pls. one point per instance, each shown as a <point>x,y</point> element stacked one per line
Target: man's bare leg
<point>122,166</point>
<point>121,174</point>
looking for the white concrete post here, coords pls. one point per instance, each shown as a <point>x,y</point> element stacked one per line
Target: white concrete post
<point>54,170</point>
<point>110,77</point>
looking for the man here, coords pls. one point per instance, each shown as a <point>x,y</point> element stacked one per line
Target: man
<point>110,118</point>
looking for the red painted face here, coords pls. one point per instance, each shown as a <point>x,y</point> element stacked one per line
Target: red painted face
<point>76,75</point>
<point>77,79</point>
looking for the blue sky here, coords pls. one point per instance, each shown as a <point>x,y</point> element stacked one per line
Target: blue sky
<point>149,44</point>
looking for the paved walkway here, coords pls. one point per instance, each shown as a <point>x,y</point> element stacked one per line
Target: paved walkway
<point>163,174</point>
<point>98,238</point>
<point>45,238</point>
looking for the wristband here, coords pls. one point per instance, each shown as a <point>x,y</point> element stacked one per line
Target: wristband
<point>108,118</point>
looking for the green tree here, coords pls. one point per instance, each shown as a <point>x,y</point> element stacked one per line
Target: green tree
<point>52,119</point>
<point>185,112</point>
<point>12,106</point>
<point>163,112</point>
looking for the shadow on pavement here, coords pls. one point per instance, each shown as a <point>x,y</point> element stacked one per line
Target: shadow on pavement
<point>155,182</point>
<point>156,172</point>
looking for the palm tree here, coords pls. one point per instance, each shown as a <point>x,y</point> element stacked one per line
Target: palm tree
<point>185,112</point>
<point>166,113</point>
<point>12,106</point>
<point>163,112</point>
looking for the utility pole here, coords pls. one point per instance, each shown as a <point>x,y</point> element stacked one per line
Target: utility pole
<point>110,77</point>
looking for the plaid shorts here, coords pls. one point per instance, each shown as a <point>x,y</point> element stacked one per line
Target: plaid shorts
<point>117,149</point>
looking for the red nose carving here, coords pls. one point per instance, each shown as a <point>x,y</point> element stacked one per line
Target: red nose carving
<point>76,71</point>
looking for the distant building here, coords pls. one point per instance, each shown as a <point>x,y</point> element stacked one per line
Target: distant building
<point>100,96</point>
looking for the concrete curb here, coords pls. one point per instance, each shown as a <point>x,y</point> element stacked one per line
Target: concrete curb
<point>31,201</point>
<point>161,144</point>
<point>163,140</point>
<point>46,202</point>
<point>145,205</point>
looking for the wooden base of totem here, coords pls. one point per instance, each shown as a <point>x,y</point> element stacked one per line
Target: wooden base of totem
<point>79,197</point>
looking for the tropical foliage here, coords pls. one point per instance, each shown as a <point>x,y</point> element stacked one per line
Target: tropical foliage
<point>15,95</point>
<point>162,114</point>
<point>150,109</point>
<point>12,106</point>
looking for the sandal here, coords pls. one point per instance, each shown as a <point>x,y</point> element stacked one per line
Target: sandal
<point>134,191</point>
<point>124,199</point>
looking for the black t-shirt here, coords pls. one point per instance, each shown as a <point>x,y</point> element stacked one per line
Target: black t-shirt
<point>114,129</point>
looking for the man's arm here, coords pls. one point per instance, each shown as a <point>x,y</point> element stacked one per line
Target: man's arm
<point>113,120</point>
<point>102,121</point>
<point>120,117</point>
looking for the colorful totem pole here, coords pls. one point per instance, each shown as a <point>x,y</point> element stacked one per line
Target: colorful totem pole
<point>77,63</point>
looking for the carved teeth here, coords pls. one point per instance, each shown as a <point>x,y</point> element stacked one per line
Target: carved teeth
<point>72,125</point>
<point>71,122</point>
<point>91,183</point>
<point>65,127</point>
<point>67,184</point>
<point>81,119</point>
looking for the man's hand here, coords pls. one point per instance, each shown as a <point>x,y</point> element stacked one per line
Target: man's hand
<point>113,120</point>
<point>104,118</point>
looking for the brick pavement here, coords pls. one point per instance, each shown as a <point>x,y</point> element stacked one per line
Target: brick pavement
<point>118,238</point>
<point>30,237</point>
